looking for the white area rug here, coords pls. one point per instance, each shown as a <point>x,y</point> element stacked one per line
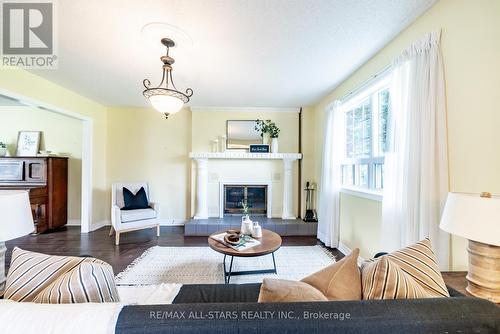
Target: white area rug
<point>202,265</point>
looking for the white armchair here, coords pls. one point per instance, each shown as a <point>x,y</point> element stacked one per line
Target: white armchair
<point>131,220</point>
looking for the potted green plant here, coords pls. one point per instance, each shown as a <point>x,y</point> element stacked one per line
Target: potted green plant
<point>3,149</point>
<point>270,128</point>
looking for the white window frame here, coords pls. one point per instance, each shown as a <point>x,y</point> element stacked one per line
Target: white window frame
<point>370,88</point>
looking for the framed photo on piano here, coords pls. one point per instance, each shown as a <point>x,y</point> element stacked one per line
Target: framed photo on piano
<point>28,143</point>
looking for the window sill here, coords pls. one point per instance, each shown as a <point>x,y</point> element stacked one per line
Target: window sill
<point>363,193</point>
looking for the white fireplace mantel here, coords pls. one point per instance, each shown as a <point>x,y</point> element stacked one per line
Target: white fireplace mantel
<point>245,155</point>
<point>201,207</point>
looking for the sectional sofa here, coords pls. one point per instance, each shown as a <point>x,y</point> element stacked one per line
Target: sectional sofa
<point>233,308</point>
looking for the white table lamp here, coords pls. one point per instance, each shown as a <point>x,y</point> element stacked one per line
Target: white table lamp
<point>477,218</point>
<point>15,221</point>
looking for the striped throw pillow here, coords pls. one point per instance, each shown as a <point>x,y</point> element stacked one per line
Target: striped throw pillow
<point>30,272</point>
<point>411,272</point>
<point>87,283</point>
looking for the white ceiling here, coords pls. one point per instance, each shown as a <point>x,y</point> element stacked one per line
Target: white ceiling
<point>248,53</point>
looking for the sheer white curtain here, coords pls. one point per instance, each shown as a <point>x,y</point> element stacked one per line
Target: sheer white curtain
<point>416,169</point>
<point>329,190</point>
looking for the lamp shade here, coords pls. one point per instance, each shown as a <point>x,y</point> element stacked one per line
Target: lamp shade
<point>166,103</point>
<point>472,217</point>
<point>15,214</point>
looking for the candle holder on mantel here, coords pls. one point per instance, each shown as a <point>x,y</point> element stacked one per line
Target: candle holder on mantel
<point>214,146</point>
<point>222,144</point>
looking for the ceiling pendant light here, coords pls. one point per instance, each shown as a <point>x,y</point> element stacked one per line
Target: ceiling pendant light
<point>165,98</point>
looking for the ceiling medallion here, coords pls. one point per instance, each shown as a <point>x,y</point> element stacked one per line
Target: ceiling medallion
<point>165,98</point>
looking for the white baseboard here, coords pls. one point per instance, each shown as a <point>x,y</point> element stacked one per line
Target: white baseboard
<point>346,251</point>
<point>74,222</point>
<point>98,225</point>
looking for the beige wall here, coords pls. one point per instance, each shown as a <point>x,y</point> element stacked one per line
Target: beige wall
<point>357,226</point>
<point>470,45</point>
<point>60,134</point>
<point>143,146</point>
<point>22,83</point>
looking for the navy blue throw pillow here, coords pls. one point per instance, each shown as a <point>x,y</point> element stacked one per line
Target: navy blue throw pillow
<point>137,201</point>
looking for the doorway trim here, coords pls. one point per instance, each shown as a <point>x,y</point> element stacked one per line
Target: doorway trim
<point>87,132</point>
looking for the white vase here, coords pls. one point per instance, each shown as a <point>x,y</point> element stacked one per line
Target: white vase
<point>266,140</point>
<point>257,230</point>
<point>274,145</point>
<point>3,151</point>
<point>246,225</point>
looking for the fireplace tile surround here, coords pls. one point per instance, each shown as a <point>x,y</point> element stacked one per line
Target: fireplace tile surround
<point>290,227</point>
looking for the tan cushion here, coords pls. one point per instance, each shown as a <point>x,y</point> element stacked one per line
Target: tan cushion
<point>340,280</point>
<point>87,283</point>
<point>411,272</point>
<point>31,272</point>
<point>280,290</point>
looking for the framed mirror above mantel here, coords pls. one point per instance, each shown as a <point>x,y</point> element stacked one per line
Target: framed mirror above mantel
<point>241,134</point>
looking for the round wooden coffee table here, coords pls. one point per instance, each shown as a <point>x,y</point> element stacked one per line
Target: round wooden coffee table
<point>269,243</point>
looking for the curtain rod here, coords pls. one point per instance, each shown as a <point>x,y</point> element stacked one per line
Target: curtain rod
<point>366,83</point>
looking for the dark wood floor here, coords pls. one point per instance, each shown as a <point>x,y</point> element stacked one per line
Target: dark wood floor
<point>70,241</point>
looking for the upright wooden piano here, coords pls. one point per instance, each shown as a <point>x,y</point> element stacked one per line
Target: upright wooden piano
<point>46,178</point>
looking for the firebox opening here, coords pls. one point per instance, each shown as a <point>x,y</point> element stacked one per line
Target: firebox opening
<point>254,195</point>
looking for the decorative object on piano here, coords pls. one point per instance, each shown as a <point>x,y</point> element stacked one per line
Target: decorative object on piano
<point>16,221</point>
<point>3,149</point>
<point>270,128</point>
<point>28,143</point>
<point>476,217</point>
<point>310,215</point>
<point>259,148</point>
<point>46,153</point>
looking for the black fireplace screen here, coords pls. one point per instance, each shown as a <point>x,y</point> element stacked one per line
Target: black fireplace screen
<point>254,195</point>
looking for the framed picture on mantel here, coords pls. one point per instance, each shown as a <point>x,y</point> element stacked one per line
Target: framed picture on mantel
<point>28,143</point>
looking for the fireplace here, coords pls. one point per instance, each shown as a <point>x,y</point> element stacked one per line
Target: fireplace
<point>254,195</point>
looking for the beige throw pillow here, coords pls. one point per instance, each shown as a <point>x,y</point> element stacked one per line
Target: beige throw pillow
<point>281,290</point>
<point>411,272</point>
<point>340,280</point>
